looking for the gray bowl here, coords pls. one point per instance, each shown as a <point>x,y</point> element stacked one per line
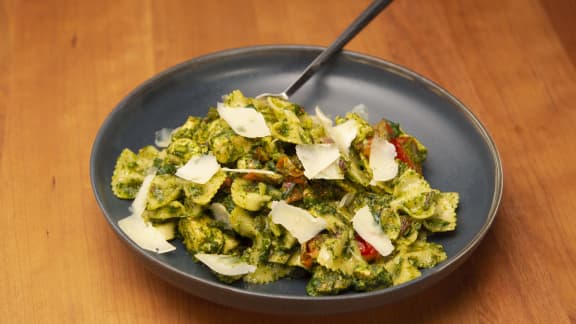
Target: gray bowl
<point>462,156</point>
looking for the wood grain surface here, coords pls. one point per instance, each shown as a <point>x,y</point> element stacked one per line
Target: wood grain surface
<point>64,65</point>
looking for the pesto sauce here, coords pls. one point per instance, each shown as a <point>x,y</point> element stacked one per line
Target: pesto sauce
<point>406,208</point>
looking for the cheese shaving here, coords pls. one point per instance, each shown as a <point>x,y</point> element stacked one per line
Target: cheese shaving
<point>227,265</point>
<point>316,157</point>
<point>342,134</point>
<point>299,222</point>
<point>382,160</point>
<point>199,169</point>
<point>163,137</point>
<point>246,122</point>
<point>365,225</point>
<point>220,213</point>
<point>140,232</point>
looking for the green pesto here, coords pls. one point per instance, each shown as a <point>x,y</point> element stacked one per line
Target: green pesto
<point>188,129</point>
<point>165,188</point>
<point>358,170</point>
<point>130,171</point>
<point>202,194</point>
<point>267,273</point>
<point>327,282</point>
<point>407,208</point>
<point>173,210</point>
<point>371,277</point>
<point>199,236</point>
<point>183,149</point>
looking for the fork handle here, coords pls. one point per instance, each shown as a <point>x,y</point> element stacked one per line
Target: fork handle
<point>365,17</point>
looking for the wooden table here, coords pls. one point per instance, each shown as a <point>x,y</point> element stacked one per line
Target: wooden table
<point>65,64</point>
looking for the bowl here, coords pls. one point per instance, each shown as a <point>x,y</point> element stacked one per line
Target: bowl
<point>462,156</point>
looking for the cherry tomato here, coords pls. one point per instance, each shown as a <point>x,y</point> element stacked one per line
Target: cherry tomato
<point>366,147</point>
<point>368,252</point>
<point>309,251</point>
<point>401,153</point>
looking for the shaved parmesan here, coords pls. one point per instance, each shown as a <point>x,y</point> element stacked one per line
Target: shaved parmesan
<point>361,110</point>
<point>142,233</point>
<point>259,171</point>
<point>299,222</point>
<point>332,172</point>
<point>324,120</point>
<point>316,157</point>
<point>342,134</point>
<point>168,230</point>
<point>145,235</point>
<point>139,202</point>
<point>365,225</point>
<point>199,169</point>
<point>246,122</point>
<point>220,213</point>
<point>162,137</point>
<point>227,265</point>
<point>382,160</point>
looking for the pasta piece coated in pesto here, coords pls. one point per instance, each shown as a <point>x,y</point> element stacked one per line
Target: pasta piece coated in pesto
<point>250,195</point>
<point>202,194</point>
<point>130,170</point>
<point>202,237</point>
<point>164,189</point>
<point>175,209</point>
